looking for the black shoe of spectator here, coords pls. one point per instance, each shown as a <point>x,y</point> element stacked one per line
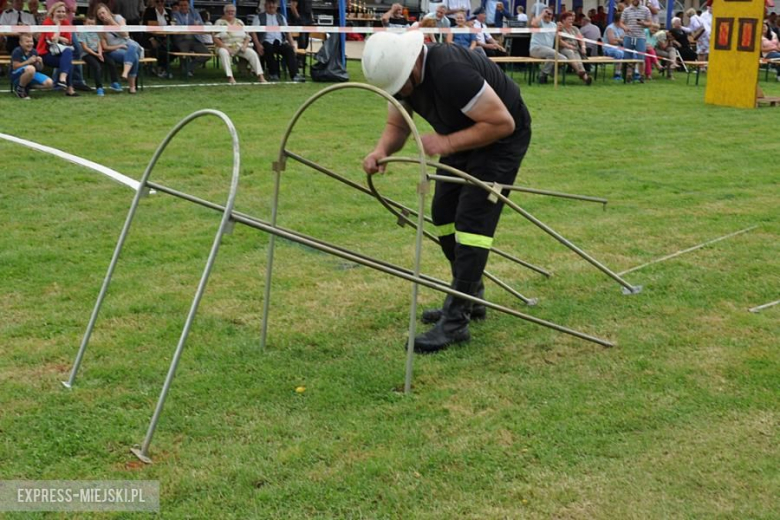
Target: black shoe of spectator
<point>82,87</point>
<point>542,79</point>
<point>61,84</point>
<point>21,92</point>
<point>299,79</point>
<point>273,77</point>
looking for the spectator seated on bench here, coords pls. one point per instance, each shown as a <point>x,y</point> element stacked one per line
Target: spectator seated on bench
<point>26,68</point>
<point>543,43</point>
<point>651,59</point>
<point>208,39</point>
<point>15,16</point>
<point>190,42</point>
<point>665,49</point>
<point>573,48</point>
<point>770,46</point>
<point>467,40</point>
<point>680,40</point>
<point>590,32</point>
<point>235,43</point>
<point>119,46</point>
<point>273,44</point>
<point>613,35</point>
<point>440,21</point>
<point>92,53</point>
<point>157,44</point>
<point>485,43</point>
<point>58,18</point>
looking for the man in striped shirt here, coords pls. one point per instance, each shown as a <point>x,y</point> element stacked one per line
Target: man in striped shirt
<point>635,18</point>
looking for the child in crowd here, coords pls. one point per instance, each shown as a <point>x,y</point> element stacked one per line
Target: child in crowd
<point>92,53</point>
<point>208,38</point>
<point>26,66</point>
<point>651,59</point>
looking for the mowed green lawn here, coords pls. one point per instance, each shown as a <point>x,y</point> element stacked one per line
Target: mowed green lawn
<point>679,420</point>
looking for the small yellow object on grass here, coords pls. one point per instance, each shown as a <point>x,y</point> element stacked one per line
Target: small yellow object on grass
<point>300,389</point>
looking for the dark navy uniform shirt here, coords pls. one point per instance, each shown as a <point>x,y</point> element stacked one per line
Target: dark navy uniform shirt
<point>452,81</point>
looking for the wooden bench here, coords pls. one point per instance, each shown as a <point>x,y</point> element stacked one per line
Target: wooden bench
<point>534,63</point>
<point>692,67</point>
<point>766,62</point>
<point>522,60</point>
<point>597,61</point>
<point>184,57</point>
<point>6,60</point>
<point>771,101</point>
<point>143,62</point>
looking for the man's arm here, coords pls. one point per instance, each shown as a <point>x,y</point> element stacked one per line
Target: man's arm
<point>387,14</point>
<point>288,36</point>
<point>648,21</point>
<point>492,121</point>
<point>392,139</point>
<point>654,7</point>
<point>448,10</point>
<point>258,45</point>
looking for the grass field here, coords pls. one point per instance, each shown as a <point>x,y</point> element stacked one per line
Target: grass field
<point>679,420</point>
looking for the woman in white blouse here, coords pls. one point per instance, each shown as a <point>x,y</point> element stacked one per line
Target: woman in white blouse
<point>232,43</point>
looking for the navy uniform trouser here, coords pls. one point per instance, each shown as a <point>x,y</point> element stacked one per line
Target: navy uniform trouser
<point>465,219</point>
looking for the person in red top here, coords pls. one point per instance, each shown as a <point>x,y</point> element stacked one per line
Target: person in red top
<point>58,16</point>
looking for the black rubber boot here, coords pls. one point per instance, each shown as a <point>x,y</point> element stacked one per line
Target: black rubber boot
<point>453,326</point>
<point>478,311</point>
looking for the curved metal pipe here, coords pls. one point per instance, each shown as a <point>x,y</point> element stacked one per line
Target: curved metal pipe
<point>224,226</point>
<point>423,187</point>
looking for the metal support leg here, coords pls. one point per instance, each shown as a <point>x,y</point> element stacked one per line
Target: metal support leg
<point>142,191</point>
<point>270,262</point>
<point>143,452</point>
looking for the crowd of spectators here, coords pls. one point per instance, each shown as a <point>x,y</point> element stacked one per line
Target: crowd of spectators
<point>120,54</point>
<point>634,34</point>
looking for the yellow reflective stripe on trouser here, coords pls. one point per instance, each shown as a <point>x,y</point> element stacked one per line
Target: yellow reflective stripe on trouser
<point>470,239</point>
<point>445,229</point>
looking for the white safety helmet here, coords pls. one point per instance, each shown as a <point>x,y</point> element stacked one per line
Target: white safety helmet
<point>388,59</point>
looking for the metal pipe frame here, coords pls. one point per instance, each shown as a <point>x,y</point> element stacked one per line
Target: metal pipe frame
<point>495,193</point>
<point>225,226</point>
<point>230,217</point>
